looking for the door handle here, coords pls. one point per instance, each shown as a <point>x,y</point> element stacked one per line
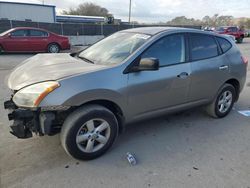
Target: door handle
<point>223,67</point>
<point>183,75</point>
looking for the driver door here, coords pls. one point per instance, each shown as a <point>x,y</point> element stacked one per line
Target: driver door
<point>156,90</point>
<point>18,41</point>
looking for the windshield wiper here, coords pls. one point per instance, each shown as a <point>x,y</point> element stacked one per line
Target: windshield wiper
<point>85,59</point>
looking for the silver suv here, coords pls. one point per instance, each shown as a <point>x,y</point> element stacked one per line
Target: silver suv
<point>129,76</point>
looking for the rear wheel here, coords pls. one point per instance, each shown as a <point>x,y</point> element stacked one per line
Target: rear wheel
<point>223,103</point>
<point>89,132</point>
<point>53,48</point>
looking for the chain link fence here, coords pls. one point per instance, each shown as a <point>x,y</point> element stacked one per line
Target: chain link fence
<point>74,29</point>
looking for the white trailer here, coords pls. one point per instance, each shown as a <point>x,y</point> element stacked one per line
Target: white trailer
<point>27,12</point>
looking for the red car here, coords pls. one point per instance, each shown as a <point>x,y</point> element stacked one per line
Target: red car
<point>27,39</point>
<point>232,30</point>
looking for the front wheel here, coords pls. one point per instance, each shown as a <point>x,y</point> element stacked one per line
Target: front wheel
<point>223,103</point>
<point>53,48</point>
<point>1,49</point>
<point>240,40</point>
<point>89,132</point>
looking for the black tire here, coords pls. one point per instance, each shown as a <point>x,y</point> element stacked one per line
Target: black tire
<point>1,49</point>
<point>73,124</point>
<point>240,40</point>
<point>213,108</point>
<point>53,48</point>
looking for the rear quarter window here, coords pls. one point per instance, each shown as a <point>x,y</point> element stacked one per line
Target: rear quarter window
<point>224,44</point>
<point>202,47</point>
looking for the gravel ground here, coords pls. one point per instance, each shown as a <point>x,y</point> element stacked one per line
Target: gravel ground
<point>188,149</point>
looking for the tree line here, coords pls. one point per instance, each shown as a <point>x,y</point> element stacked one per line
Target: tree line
<point>214,21</point>
<point>92,9</point>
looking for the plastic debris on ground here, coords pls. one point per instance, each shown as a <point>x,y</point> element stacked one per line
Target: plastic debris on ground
<point>131,159</point>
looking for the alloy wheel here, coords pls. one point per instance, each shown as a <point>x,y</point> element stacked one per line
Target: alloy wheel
<point>225,101</point>
<point>54,48</point>
<point>93,135</point>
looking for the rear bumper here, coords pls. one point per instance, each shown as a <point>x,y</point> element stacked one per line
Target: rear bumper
<point>26,121</point>
<point>65,46</point>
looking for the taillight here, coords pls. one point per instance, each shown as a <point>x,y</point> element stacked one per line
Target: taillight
<point>244,60</point>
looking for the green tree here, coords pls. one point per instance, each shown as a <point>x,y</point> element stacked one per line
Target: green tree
<point>247,23</point>
<point>88,9</point>
<point>217,20</point>
<point>182,20</point>
<point>207,21</point>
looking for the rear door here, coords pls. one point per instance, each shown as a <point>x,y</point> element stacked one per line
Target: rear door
<point>38,40</point>
<point>210,68</point>
<point>17,41</point>
<point>154,90</point>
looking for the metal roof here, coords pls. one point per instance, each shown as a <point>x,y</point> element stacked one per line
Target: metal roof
<point>32,4</point>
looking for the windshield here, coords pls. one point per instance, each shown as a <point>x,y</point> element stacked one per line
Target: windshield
<point>5,32</point>
<point>114,49</point>
<point>221,29</point>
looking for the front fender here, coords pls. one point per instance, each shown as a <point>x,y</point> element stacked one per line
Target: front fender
<point>96,94</point>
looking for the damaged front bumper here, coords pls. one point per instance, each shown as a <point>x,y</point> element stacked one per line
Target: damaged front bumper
<point>26,121</point>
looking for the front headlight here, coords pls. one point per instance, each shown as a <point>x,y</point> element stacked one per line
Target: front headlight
<point>32,95</point>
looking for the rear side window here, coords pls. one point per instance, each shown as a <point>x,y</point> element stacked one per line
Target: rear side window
<point>224,44</point>
<point>38,33</point>
<point>202,47</point>
<point>169,50</point>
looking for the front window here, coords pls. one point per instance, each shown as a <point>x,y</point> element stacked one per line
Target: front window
<point>19,33</point>
<point>169,50</point>
<point>115,48</point>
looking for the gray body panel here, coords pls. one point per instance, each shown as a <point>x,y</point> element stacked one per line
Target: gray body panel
<point>45,67</point>
<point>139,95</point>
<point>207,77</point>
<point>156,90</point>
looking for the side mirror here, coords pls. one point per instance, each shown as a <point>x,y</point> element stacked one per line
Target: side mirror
<point>146,64</point>
<point>9,35</point>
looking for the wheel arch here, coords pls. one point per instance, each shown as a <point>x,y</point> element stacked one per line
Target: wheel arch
<point>113,107</point>
<point>236,84</point>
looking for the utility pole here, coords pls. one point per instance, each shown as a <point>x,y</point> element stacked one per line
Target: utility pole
<point>129,17</point>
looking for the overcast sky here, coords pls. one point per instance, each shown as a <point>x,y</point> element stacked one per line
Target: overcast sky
<point>160,10</point>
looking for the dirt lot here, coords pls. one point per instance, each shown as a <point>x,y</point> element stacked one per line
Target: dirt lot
<point>184,150</point>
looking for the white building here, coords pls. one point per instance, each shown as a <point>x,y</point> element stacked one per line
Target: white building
<point>27,12</point>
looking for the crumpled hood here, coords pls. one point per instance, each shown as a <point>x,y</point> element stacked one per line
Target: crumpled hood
<point>45,67</point>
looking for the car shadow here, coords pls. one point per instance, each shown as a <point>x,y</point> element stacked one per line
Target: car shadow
<point>168,138</point>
